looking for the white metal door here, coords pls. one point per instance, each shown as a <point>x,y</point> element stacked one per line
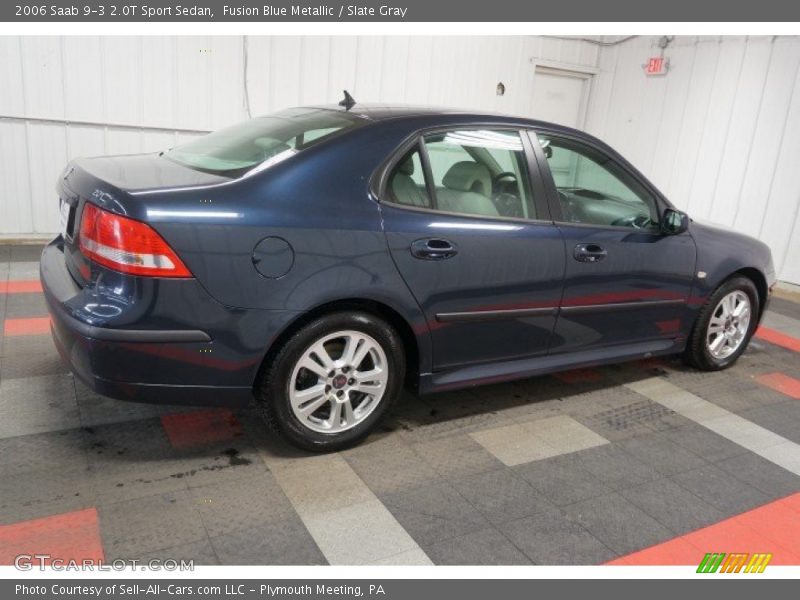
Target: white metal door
<point>559,96</point>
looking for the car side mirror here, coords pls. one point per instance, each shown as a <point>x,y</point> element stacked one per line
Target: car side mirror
<point>674,222</point>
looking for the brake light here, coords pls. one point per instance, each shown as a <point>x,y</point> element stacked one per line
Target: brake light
<point>126,245</point>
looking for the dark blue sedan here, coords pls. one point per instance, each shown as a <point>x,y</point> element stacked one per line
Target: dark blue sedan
<point>319,259</point>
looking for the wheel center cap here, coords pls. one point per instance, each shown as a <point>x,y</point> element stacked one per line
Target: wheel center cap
<point>339,382</point>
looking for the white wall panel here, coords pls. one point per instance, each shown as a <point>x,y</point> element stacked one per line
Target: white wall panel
<point>719,133</point>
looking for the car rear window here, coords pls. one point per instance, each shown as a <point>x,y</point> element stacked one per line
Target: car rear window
<point>261,142</point>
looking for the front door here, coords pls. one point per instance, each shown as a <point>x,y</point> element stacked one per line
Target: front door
<point>469,231</point>
<point>625,281</point>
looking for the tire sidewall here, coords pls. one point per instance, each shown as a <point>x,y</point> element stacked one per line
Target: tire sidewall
<point>737,283</point>
<point>276,391</point>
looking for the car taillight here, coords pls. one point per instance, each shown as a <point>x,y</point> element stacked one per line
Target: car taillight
<point>126,245</point>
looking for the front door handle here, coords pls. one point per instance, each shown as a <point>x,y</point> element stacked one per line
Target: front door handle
<point>433,249</point>
<point>589,253</point>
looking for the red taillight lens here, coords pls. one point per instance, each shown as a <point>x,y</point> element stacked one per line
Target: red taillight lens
<point>126,245</point>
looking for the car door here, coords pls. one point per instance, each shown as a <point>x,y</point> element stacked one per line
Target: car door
<point>625,281</point>
<point>469,230</point>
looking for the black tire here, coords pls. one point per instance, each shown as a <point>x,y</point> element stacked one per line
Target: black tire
<point>272,392</point>
<point>697,353</point>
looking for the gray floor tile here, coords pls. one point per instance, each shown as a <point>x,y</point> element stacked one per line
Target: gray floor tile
<point>614,467</point>
<point>391,469</point>
<point>562,480</point>
<point>457,456</point>
<point>37,405</point>
<point>762,474</point>
<point>672,505</point>
<point>661,454</point>
<point>618,523</point>
<point>704,443</point>
<point>433,513</point>
<point>32,365</point>
<point>226,507</point>
<point>62,450</point>
<point>501,495</point>
<point>22,306</point>
<point>721,490</point>
<point>135,527</point>
<point>200,553</point>
<point>551,538</point>
<point>36,494</point>
<point>782,418</point>
<point>484,547</point>
<point>276,543</point>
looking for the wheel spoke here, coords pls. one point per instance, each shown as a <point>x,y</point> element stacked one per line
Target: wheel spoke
<point>361,354</point>
<point>717,343</point>
<point>318,350</point>
<point>311,365</point>
<point>351,347</point>
<point>310,408</point>
<point>335,420</point>
<point>349,415</point>
<point>301,396</point>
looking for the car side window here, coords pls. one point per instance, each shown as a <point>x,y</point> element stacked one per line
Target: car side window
<point>480,172</point>
<point>406,184</point>
<point>473,172</point>
<point>594,189</point>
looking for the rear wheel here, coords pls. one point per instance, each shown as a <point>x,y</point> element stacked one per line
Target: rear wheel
<point>724,325</point>
<point>333,380</point>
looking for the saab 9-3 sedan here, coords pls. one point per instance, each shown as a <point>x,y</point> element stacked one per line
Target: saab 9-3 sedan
<point>317,260</point>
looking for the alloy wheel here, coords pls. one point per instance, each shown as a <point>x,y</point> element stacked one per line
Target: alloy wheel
<point>338,381</point>
<point>729,324</point>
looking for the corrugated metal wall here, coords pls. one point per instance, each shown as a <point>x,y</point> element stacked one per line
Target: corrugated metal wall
<point>81,96</point>
<point>720,134</point>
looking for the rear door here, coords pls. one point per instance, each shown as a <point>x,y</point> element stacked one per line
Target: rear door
<point>470,232</point>
<point>625,281</point>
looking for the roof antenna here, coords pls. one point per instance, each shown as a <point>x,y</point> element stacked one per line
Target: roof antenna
<point>348,102</point>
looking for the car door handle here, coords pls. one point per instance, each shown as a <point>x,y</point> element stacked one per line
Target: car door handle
<point>589,253</point>
<point>433,249</point>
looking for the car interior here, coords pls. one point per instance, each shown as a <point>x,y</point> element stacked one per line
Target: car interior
<point>591,188</point>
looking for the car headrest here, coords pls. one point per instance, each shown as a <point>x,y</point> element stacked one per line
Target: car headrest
<point>407,166</point>
<point>468,176</point>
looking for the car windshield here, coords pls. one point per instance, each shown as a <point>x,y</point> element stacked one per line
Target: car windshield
<point>261,142</point>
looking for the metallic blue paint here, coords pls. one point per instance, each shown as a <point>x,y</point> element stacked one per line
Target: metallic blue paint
<point>496,310</point>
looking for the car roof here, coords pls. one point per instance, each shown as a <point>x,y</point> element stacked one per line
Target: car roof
<point>383,112</point>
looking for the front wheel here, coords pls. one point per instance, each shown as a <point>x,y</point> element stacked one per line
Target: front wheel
<point>724,325</point>
<point>333,380</point>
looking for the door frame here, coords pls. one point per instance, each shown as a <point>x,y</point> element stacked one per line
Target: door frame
<point>586,74</point>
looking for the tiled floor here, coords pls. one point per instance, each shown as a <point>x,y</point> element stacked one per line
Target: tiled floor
<point>642,463</point>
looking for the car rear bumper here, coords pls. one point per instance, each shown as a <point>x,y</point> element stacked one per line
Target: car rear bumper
<point>138,353</point>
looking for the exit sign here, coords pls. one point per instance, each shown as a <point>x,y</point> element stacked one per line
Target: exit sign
<point>656,65</point>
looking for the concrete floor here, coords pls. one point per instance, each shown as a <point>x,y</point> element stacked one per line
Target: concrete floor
<point>642,463</point>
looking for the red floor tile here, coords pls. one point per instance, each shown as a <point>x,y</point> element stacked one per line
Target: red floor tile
<point>579,376</point>
<point>69,536</point>
<point>186,430</point>
<point>30,326</point>
<point>773,528</point>
<point>781,383</point>
<point>22,286</point>
<point>779,339</point>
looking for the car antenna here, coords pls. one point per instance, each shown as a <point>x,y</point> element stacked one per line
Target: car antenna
<point>348,102</point>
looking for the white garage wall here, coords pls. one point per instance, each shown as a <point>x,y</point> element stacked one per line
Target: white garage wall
<point>69,96</point>
<point>719,134</point>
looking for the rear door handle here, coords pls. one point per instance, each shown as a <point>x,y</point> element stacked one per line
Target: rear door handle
<point>433,249</point>
<point>589,253</point>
